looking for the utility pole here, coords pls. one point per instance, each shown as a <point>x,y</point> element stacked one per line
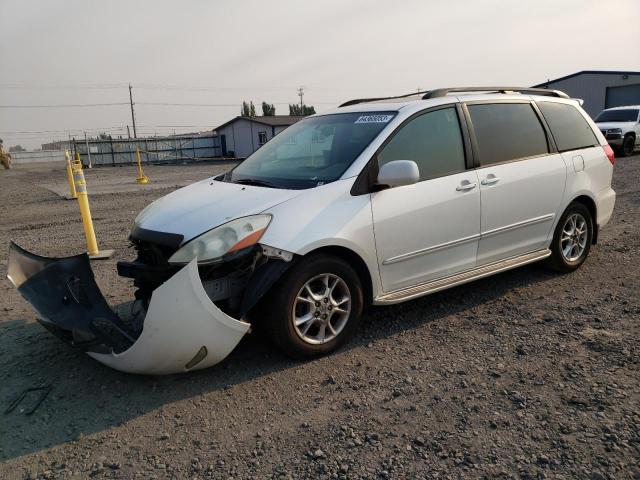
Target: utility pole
<point>128,132</point>
<point>133,117</point>
<point>301,95</point>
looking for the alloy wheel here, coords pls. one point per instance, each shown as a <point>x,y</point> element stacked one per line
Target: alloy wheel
<point>573,240</point>
<point>321,309</point>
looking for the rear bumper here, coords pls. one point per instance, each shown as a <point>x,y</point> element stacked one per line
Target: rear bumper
<point>182,328</point>
<point>606,200</point>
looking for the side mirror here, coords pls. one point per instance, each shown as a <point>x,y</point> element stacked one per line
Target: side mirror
<point>398,173</point>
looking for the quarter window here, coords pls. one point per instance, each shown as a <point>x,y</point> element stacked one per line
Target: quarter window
<point>432,140</point>
<point>507,131</point>
<point>569,128</point>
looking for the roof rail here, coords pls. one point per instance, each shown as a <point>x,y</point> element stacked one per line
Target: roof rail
<point>365,100</point>
<point>443,92</point>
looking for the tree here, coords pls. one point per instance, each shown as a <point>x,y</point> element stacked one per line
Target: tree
<point>17,148</point>
<point>268,110</point>
<point>245,111</point>
<point>294,109</point>
<point>248,109</point>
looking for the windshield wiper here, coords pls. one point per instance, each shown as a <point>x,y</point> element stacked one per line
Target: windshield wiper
<point>256,182</point>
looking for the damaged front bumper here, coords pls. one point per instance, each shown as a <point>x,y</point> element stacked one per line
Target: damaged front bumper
<point>182,329</point>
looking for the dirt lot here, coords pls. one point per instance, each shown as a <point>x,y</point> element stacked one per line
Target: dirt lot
<point>527,374</point>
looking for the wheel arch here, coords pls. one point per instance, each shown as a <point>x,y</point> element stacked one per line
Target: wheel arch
<point>354,260</point>
<point>588,202</point>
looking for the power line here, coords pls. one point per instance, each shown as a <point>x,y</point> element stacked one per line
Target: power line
<point>66,105</point>
<point>158,104</point>
<point>98,129</point>
<point>168,104</point>
<point>145,86</point>
<point>99,86</point>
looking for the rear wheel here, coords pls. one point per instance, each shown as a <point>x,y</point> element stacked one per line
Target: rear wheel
<point>572,238</point>
<point>315,308</point>
<point>628,145</point>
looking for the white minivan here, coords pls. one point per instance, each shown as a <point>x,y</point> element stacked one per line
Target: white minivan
<point>376,202</point>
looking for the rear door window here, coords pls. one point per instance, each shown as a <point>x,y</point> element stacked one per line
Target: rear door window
<point>506,132</point>
<point>433,140</point>
<point>568,127</point>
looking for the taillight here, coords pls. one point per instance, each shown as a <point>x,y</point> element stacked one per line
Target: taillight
<point>609,153</point>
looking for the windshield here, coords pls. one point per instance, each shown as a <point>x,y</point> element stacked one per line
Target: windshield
<point>626,115</point>
<point>312,152</point>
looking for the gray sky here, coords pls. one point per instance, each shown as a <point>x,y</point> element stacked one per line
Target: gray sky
<point>55,52</point>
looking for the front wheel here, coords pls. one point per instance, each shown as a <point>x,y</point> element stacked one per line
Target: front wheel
<point>628,145</point>
<point>572,238</point>
<point>315,308</point>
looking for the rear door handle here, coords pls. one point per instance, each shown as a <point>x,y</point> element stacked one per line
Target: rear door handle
<point>490,180</point>
<point>466,186</point>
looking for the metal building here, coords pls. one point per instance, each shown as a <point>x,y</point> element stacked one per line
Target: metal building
<point>599,89</point>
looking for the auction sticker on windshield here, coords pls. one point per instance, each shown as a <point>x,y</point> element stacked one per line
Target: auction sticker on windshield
<point>374,119</point>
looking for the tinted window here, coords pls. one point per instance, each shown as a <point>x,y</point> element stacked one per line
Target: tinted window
<point>569,128</point>
<point>507,131</point>
<point>312,152</point>
<point>432,140</point>
<point>625,115</point>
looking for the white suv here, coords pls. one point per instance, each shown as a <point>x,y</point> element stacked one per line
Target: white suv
<point>376,202</point>
<point>621,128</point>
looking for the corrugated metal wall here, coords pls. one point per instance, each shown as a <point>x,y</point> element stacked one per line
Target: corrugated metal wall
<point>152,149</point>
<point>592,88</point>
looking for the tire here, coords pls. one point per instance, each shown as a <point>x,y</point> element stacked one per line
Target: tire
<point>569,249</point>
<point>284,304</point>
<point>628,145</point>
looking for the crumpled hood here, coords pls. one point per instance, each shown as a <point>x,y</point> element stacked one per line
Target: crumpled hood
<point>197,208</point>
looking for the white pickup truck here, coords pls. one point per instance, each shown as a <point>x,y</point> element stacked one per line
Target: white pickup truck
<point>621,128</point>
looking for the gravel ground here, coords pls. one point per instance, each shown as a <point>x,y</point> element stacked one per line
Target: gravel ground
<point>523,375</point>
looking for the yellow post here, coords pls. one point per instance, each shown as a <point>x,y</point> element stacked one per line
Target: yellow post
<point>85,212</point>
<point>142,178</point>
<point>72,186</point>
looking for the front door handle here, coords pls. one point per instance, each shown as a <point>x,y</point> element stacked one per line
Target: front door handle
<point>490,180</point>
<point>463,187</point>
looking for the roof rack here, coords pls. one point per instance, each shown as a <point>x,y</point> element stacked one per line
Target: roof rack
<point>365,100</point>
<point>443,92</point>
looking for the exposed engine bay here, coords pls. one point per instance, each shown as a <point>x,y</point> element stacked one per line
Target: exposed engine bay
<point>235,281</point>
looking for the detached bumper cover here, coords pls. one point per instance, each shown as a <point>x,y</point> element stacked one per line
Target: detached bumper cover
<point>182,330</point>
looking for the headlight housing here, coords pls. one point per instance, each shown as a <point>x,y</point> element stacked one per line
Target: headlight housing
<point>227,238</point>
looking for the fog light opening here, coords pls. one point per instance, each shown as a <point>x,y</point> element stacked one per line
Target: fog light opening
<point>201,355</point>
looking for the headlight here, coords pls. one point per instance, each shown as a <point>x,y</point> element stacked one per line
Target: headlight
<point>227,238</point>
<point>615,130</point>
